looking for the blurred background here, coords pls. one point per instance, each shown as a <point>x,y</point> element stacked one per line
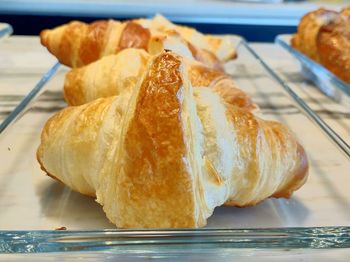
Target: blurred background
<point>256,20</point>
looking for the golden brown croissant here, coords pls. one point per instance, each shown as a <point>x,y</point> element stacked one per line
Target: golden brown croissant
<point>77,43</point>
<point>333,44</point>
<point>324,36</point>
<point>165,155</point>
<point>115,74</point>
<point>221,46</point>
<point>109,76</point>
<point>305,40</point>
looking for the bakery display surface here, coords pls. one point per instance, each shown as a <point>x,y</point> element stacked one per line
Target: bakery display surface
<point>48,205</point>
<point>169,130</point>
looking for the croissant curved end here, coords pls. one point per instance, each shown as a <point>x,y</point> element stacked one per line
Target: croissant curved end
<point>44,37</point>
<point>300,175</point>
<point>302,172</point>
<point>42,167</point>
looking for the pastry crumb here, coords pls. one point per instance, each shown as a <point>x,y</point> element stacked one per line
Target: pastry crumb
<point>61,228</point>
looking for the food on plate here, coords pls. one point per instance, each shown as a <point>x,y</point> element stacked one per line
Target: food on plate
<point>165,154</point>
<point>324,36</point>
<point>115,74</point>
<point>76,44</point>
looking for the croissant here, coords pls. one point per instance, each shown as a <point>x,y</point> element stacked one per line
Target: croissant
<point>77,43</point>
<point>166,154</point>
<point>333,44</point>
<point>324,36</point>
<point>114,74</point>
<point>305,40</point>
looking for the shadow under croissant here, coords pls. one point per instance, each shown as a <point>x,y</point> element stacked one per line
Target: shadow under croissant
<point>269,213</point>
<point>76,211</point>
<point>70,209</point>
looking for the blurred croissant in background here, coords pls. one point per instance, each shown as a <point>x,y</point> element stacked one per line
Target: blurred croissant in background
<point>165,154</point>
<point>76,43</point>
<point>324,36</point>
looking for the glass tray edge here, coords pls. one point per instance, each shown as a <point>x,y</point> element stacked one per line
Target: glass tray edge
<point>182,240</point>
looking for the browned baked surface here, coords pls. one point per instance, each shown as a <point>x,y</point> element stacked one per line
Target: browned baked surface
<point>305,38</point>
<point>155,172</point>
<point>76,44</point>
<point>333,44</point>
<point>324,36</point>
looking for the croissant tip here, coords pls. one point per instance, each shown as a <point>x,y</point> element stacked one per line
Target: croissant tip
<point>43,37</point>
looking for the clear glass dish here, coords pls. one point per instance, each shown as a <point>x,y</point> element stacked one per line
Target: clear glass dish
<point>19,70</point>
<point>5,30</point>
<point>328,83</point>
<point>34,205</point>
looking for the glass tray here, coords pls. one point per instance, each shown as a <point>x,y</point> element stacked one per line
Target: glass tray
<point>19,69</point>
<point>33,205</point>
<point>5,30</point>
<point>327,82</point>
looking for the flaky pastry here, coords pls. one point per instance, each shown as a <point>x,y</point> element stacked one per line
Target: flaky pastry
<point>166,154</point>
